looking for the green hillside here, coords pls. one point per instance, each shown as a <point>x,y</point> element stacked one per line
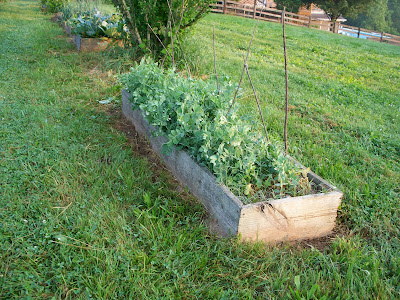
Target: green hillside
<point>344,107</point>
<point>85,214</point>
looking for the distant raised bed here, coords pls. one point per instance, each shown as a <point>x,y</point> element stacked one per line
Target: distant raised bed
<point>94,44</point>
<point>270,220</point>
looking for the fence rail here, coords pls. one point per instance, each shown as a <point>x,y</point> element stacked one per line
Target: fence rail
<point>275,15</point>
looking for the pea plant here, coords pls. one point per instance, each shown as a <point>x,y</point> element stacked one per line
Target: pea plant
<point>192,113</point>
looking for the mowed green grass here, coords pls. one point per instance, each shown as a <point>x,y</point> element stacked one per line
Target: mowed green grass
<point>83,217</point>
<point>344,97</point>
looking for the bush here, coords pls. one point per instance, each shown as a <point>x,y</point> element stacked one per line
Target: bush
<point>192,114</point>
<point>52,6</point>
<point>140,14</point>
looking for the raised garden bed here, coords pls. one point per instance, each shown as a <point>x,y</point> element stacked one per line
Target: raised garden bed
<point>272,220</point>
<point>68,30</point>
<point>93,44</point>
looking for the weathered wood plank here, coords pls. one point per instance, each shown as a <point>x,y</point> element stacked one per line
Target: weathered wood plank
<point>90,44</point>
<point>223,206</point>
<point>292,218</point>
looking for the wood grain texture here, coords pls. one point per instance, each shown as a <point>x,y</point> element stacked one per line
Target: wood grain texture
<point>291,218</point>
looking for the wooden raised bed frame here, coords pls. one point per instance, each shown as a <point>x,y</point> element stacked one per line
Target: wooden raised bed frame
<point>90,44</point>
<point>273,220</point>
<point>94,44</point>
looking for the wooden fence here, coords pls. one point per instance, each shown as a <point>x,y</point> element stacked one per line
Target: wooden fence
<point>275,15</point>
<point>371,35</point>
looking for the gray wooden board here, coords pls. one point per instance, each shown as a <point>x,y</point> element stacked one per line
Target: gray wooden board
<point>90,44</point>
<point>290,218</point>
<point>219,201</point>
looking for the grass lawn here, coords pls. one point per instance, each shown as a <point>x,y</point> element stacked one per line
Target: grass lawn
<point>344,107</point>
<point>85,216</point>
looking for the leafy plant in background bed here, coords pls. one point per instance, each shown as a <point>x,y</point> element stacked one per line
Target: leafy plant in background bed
<point>89,25</point>
<point>192,114</point>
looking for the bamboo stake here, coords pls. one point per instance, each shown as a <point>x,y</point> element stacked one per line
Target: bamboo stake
<point>176,36</point>
<point>172,45</point>
<point>184,57</point>
<point>244,67</point>
<point>215,64</point>
<point>159,40</point>
<point>287,85</point>
<point>255,95</point>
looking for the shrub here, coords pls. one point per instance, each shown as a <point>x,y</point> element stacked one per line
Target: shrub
<point>52,6</point>
<point>144,16</point>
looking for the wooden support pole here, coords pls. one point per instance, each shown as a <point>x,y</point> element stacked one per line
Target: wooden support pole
<point>286,82</point>
<point>309,21</point>
<point>381,37</point>
<point>215,63</point>
<point>358,33</point>
<point>254,9</point>
<point>224,7</point>
<point>255,96</point>
<point>244,68</point>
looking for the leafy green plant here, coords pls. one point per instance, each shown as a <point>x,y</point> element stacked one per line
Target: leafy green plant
<point>146,19</point>
<point>289,5</point>
<point>67,12</point>
<point>95,25</point>
<point>52,6</point>
<point>192,114</point>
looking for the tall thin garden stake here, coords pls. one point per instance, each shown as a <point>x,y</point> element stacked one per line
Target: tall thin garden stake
<point>159,39</point>
<point>287,85</point>
<point>177,36</point>
<point>255,95</point>
<point>172,45</point>
<point>244,68</point>
<point>184,57</point>
<point>215,64</point>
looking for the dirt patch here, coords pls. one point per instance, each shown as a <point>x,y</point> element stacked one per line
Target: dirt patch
<point>325,242</point>
<point>138,143</point>
<point>141,147</point>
